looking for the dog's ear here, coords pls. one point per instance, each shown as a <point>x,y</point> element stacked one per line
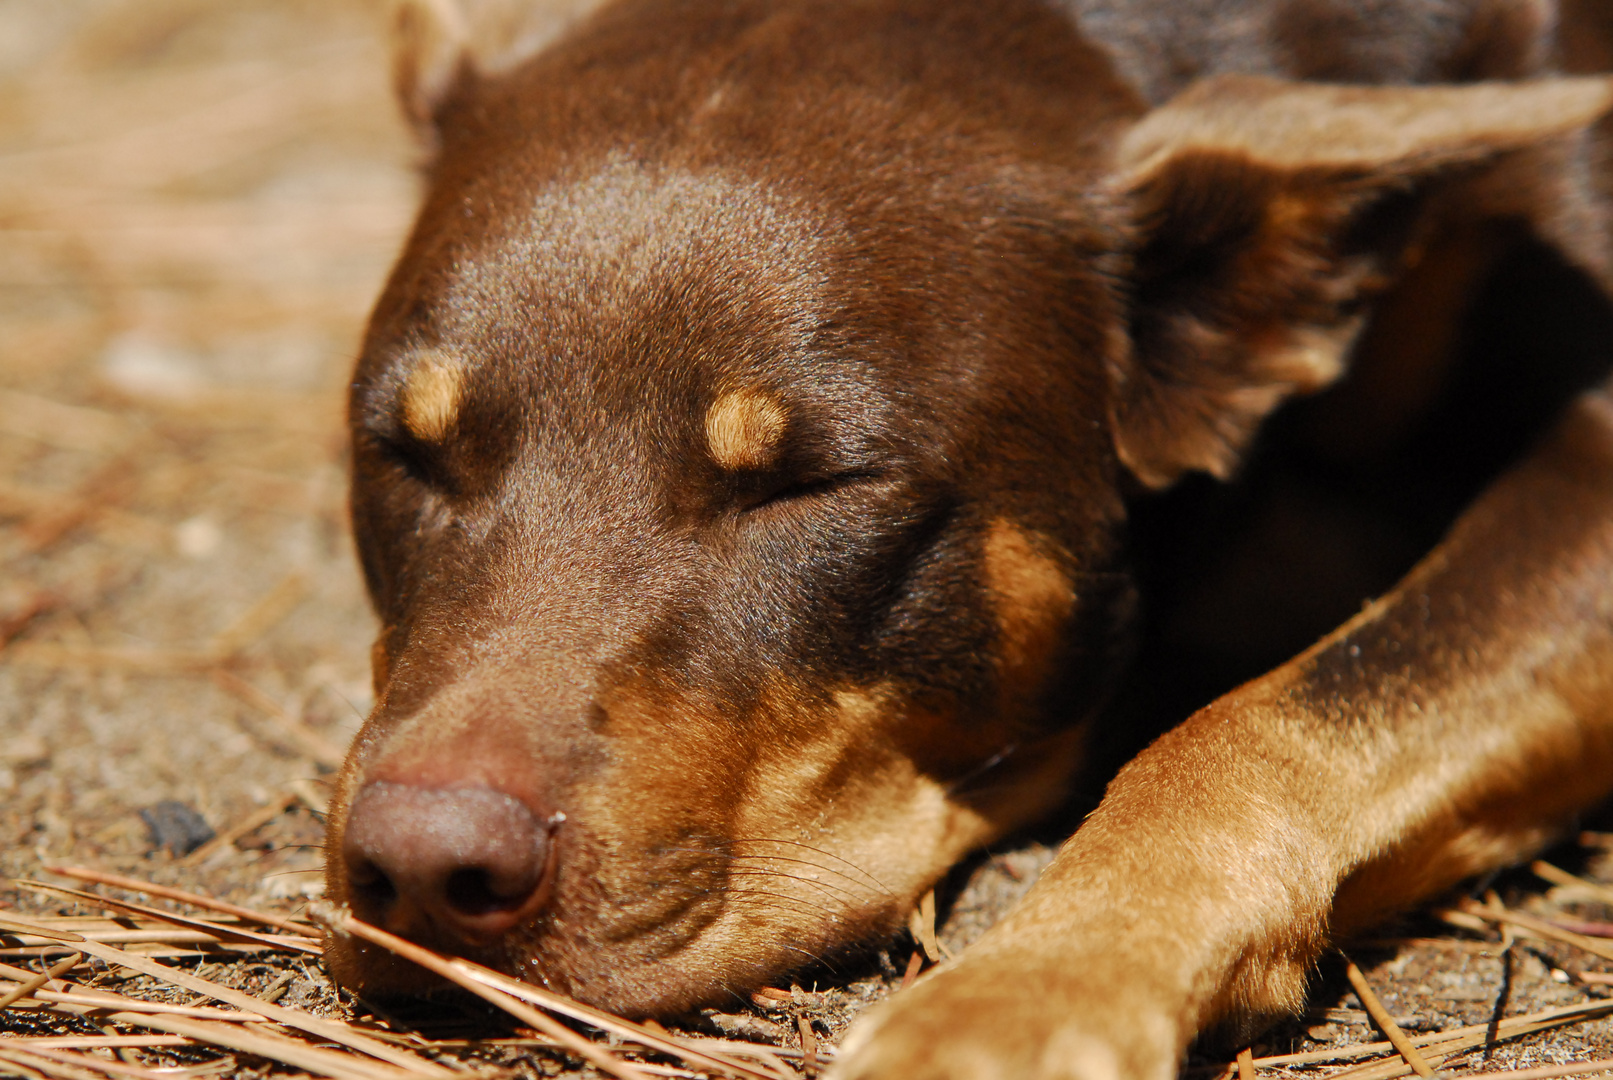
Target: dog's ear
<point>1264,214</point>
<point>438,43</point>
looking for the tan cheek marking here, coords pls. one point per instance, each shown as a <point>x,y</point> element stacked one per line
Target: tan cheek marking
<point>743,429</point>
<point>431,396</point>
<point>1033,599</point>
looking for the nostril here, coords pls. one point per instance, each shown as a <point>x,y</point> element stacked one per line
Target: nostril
<point>471,892</point>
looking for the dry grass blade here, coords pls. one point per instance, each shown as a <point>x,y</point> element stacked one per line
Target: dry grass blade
<point>1556,876</point>
<point>82,1000</point>
<point>483,982</point>
<point>292,1018</point>
<point>303,739</point>
<point>921,924</point>
<point>116,1068</point>
<point>205,926</point>
<point>72,427</point>
<point>915,964</point>
<point>1445,1042</point>
<point>117,881</point>
<point>147,661</point>
<point>254,821</point>
<point>164,940</point>
<point>1538,927</point>
<point>697,1052</point>
<point>28,986</point>
<point>773,1057</point>
<point>342,923</point>
<point>28,926</point>
<point>310,796</point>
<point>261,617</point>
<point>1393,1068</point>
<point>25,1064</point>
<point>316,1059</point>
<point>78,1003</point>
<point>1246,1063</point>
<point>1547,1072</point>
<point>96,1042</point>
<point>1385,1022</point>
<point>809,1045</point>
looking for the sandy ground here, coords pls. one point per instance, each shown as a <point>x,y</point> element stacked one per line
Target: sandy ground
<point>198,201</point>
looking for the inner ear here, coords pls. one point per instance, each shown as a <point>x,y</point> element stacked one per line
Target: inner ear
<point>1265,218</point>
<point>1249,283</point>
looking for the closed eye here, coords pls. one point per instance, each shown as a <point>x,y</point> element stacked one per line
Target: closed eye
<point>813,488</point>
<point>415,459</point>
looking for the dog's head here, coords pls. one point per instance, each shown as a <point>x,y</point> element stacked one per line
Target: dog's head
<point>739,450</point>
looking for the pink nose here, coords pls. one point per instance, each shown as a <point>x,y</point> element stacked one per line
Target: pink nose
<point>456,866</point>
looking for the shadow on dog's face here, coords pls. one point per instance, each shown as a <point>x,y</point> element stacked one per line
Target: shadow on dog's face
<point>738,503</point>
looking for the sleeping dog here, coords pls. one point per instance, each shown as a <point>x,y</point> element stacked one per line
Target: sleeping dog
<point>792,443</point>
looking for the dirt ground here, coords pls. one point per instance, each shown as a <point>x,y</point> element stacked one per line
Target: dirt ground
<point>198,201</point>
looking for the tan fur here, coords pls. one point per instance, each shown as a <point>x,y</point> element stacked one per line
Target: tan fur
<point>380,662</point>
<point>826,822</point>
<point>430,404</point>
<point>1033,599</point>
<point>743,429</point>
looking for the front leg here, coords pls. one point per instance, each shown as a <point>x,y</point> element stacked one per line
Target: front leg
<point>1450,728</point>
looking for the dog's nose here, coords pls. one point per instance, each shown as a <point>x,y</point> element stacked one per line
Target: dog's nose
<point>459,866</point>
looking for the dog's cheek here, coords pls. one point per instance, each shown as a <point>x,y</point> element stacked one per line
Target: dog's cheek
<point>1032,600</point>
<point>818,803</point>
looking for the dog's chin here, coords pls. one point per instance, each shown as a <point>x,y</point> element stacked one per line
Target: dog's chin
<point>654,976</point>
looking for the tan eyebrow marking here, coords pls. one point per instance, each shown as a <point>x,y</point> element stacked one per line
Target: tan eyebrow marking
<point>743,429</point>
<point>431,395</point>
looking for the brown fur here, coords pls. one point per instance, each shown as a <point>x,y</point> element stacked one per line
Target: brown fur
<point>765,530</point>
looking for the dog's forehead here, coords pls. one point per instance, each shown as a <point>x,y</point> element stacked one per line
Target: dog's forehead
<point>633,295</point>
<point>587,260</point>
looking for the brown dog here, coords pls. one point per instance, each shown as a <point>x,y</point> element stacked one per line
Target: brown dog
<point>758,452</point>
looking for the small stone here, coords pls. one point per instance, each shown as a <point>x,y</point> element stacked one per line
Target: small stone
<point>176,826</point>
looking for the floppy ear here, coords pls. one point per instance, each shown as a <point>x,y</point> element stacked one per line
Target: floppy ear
<point>437,43</point>
<point>1266,213</point>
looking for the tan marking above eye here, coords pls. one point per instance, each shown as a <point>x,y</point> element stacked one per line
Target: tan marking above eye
<point>744,429</point>
<point>431,395</point>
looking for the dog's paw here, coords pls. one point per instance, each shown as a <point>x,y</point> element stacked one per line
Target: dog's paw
<point>990,1022</point>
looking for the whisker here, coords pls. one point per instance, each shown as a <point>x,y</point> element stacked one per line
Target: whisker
<point>963,782</point>
<point>817,851</point>
<point>785,897</point>
<point>775,901</point>
<point>808,862</point>
<point>806,952</point>
<point>833,892</point>
<point>778,873</point>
